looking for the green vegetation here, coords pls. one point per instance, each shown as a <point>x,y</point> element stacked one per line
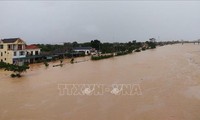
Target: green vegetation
<point>50,48</point>
<point>137,50</point>
<point>99,46</point>
<point>123,53</point>
<point>17,70</point>
<point>101,57</point>
<point>151,45</point>
<point>46,63</point>
<point>3,65</point>
<point>121,48</point>
<point>72,61</point>
<point>143,49</point>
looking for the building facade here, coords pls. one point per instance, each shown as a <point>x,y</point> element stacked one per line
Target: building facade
<point>33,53</point>
<point>32,50</point>
<point>86,50</point>
<point>11,50</point>
<point>15,51</point>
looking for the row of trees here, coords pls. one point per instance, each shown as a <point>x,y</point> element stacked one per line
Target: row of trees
<point>118,47</point>
<point>98,45</point>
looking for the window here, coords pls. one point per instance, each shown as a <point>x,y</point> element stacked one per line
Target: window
<point>31,52</point>
<point>36,52</point>
<point>5,59</point>
<point>5,52</point>
<point>9,47</point>
<point>1,60</point>
<point>14,47</point>
<point>19,47</point>
<point>21,52</point>
<point>15,54</point>
<point>1,46</point>
<point>1,53</point>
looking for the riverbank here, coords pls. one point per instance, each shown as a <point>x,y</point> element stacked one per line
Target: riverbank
<point>168,76</point>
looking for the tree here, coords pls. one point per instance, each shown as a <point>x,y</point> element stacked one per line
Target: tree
<point>46,64</point>
<point>134,42</point>
<point>129,44</point>
<point>152,40</point>
<point>151,43</point>
<point>17,70</point>
<point>96,44</point>
<point>86,44</point>
<point>67,45</point>
<point>75,44</point>
<point>107,48</point>
<point>72,61</point>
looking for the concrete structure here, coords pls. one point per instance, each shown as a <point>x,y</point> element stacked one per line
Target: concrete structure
<point>86,50</point>
<point>32,50</point>
<point>11,50</point>
<point>32,54</point>
<point>15,51</point>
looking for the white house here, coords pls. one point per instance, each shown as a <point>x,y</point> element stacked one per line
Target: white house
<point>32,50</point>
<point>86,50</point>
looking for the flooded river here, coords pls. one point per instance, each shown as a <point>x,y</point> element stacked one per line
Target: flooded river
<point>168,79</point>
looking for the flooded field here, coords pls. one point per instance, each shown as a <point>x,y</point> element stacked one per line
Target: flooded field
<point>168,76</point>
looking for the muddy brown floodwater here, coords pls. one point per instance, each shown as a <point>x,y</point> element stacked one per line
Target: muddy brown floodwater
<point>169,79</point>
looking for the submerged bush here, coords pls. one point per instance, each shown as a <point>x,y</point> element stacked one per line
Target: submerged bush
<point>101,57</point>
<point>123,53</point>
<point>153,46</point>
<point>12,75</point>
<point>138,50</point>
<point>15,75</point>
<point>46,63</point>
<point>17,70</point>
<point>3,65</point>
<point>143,48</point>
<point>18,75</point>
<point>72,61</point>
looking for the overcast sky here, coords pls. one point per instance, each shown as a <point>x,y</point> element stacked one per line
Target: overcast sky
<point>108,21</point>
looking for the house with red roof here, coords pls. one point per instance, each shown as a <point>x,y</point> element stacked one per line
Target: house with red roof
<point>32,50</point>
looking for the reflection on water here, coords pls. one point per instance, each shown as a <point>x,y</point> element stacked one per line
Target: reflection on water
<point>169,78</point>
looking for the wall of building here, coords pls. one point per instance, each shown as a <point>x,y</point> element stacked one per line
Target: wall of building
<point>7,55</point>
<point>87,52</point>
<point>18,54</point>
<point>33,51</point>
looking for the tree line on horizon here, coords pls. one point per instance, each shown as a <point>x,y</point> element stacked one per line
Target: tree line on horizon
<point>105,47</point>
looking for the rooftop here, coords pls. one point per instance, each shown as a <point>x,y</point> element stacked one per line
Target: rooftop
<point>32,47</point>
<point>9,40</point>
